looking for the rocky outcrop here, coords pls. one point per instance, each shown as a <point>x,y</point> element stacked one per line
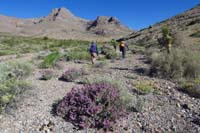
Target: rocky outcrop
<point>105,25</point>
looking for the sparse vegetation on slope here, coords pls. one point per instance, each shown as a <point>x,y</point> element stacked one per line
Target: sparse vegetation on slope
<point>72,74</point>
<point>192,87</point>
<point>20,45</point>
<point>109,52</point>
<point>47,74</point>
<point>50,60</point>
<point>196,34</point>
<point>178,64</point>
<point>11,81</point>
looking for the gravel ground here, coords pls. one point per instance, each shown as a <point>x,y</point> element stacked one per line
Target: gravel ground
<point>167,111</point>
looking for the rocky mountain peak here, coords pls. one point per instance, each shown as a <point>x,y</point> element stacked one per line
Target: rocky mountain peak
<point>61,13</point>
<point>107,25</point>
<point>107,19</point>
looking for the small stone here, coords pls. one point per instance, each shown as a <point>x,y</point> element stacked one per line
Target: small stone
<point>126,128</point>
<point>157,131</point>
<point>45,122</point>
<point>178,105</point>
<point>178,115</point>
<point>139,124</point>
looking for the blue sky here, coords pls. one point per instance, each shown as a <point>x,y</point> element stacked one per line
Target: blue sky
<point>135,14</point>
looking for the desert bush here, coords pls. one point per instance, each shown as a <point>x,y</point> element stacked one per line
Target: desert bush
<point>77,55</point>
<point>124,92</point>
<point>108,52</point>
<point>192,87</point>
<point>46,74</point>
<point>50,60</point>
<point>196,34</point>
<point>15,69</point>
<point>96,105</point>
<point>191,63</point>
<point>100,64</point>
<point>137,49</point>
<point>72,74</point>
<point>111,55</point>
<point>144,87</point>
<point>178,64</point>
<point>45,38</point>
<point>6,52</point>
<point>130,76</point>
<point>197,21</point>
<point>9,90</point>
<point>42,54</point>
<point>11,81</point>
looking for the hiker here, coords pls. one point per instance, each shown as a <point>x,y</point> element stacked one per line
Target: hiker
<point>93,51</point>
<point>122,48</point>
<point>114,43</point>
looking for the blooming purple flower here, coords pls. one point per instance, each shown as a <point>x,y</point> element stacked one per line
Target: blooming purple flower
<point>94,105</point>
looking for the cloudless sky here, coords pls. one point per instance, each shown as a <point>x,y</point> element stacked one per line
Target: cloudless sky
<point>135,14</point>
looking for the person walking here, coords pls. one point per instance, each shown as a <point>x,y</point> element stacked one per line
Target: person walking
<point>93,52</point>
<point>122,48</point>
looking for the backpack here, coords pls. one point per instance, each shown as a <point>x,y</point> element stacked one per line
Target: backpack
<point>122,44</point>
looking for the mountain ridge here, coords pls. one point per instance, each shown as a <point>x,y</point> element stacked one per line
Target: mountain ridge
<point>62,24</point>
<point>177,23</point>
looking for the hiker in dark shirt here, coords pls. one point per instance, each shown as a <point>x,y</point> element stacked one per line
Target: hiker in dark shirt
<point>93,51</point>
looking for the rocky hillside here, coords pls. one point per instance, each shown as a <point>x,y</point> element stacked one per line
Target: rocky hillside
<point>62,24</point>
<point>182,25</point>
<point>104,25</point>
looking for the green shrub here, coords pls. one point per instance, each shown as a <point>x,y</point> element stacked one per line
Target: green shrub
<point>15,69</point>
<point>191,63</point>
<point>130,76</point>
<point>144,87</point>
<point>109,52</point>
<point>165,30</point>
<point>197,21</point>
<point>137,49</point>
<point>196,34</point>
<point>9,90</point>
<point>191,87</point>
<point>11,81</point>
<point>45,38</point>
<point>77,55</point>
<point>6,52</point>
<point>51,60</point>
<point>178,64</point>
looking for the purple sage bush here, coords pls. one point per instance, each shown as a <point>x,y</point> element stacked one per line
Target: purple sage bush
<point>72,74</point>
<point>96,105</point>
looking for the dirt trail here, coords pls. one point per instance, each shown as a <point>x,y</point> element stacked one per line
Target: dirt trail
<point>163,112</point>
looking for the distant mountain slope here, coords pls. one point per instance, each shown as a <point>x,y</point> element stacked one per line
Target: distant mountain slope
<point>182,24</point>
<point>61,23</point>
